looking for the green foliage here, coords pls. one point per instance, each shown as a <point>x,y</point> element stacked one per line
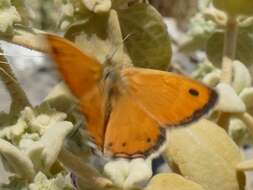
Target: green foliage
<point>148,44</point>
<point>214,47</point>
<point>235,7</point>
<point>147,40</point>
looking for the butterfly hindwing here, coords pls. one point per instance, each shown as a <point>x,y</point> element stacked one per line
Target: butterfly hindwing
<point>130,131</point>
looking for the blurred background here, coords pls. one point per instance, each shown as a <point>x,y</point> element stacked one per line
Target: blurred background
<point>37,76</point>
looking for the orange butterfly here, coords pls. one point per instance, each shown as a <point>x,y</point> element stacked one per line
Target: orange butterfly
<point>128,109</point>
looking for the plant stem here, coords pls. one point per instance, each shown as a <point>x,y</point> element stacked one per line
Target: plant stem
<point>18,96</point>
<point>230,41</point>
<point>245,166</point>
<point>82,170</point>
<point>28,39</point>
<point>229,51</point>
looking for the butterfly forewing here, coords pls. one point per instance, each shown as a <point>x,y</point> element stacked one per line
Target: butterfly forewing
<point>82,73</point>
<point>168,98</point>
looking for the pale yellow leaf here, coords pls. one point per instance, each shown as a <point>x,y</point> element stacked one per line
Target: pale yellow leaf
<point>172,182</point>
<point>206,154</point>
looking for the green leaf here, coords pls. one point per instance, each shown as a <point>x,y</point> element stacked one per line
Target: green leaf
<point>244,48</point>
<point>194,43</point>
<point>119,3</point>
<point>89,23</point>
<point>235,7</point>
<point>148,44</point>
<point>90,34</point>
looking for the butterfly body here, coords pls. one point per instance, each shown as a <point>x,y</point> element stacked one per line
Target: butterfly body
<point>128,109</point>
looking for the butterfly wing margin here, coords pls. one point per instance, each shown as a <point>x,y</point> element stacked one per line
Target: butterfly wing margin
<point>168,98</point>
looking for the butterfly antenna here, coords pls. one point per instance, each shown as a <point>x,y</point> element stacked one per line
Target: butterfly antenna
<point>109,57</point>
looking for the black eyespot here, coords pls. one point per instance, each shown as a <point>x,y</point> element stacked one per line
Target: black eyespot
<point>193,92</point>
<point>124,144</point>
<point>148,140</point>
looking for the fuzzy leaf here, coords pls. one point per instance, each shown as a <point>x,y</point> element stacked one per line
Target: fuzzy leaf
<point>8,15</point>
<point>148,44</point>
<point>199,32</point>
<point>199,154</point>
<point>125,173</point>
<point>42,117</point>
<point>55,135</point>
<point>90,35</point>
<point>172,182</point>
<point>212,79</point>
<point>100,37</point>
<point>15,131</point>
<point>238,130</point>
<point>229,101</point>
<point>4,179</point>
<point>241,77</point>
<point>247,97</point>
<point>19,163</point>
<point>60,182</point>
<point>202,70</point>
<point>98,6</point>
<point>45,15</point>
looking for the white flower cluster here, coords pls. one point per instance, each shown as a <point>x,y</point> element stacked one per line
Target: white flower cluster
<point>31,146</point>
